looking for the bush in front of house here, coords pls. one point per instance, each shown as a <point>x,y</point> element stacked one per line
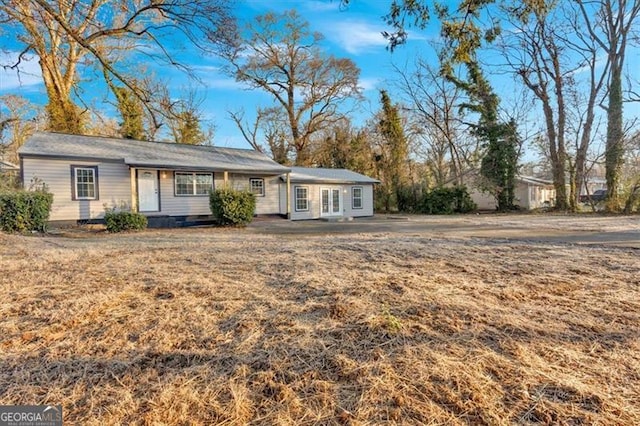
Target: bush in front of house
<point>447,201</point>
<point>23,211</point>
<point>231,207</point>
<point>119,221</point>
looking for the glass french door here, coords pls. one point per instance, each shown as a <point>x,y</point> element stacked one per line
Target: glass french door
<point>330,202</point>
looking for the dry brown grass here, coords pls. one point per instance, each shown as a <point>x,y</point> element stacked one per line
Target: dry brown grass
<point>206,326</point>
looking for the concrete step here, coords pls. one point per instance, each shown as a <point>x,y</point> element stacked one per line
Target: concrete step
<point>337,219</point>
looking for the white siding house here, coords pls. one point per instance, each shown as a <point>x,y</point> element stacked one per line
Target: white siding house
<point>531,193</point>
<point>328,193</point>
<point>113,187</point>
<point>88,175</point>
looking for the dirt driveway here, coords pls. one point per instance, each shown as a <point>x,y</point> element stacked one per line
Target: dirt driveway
<point>621,231</point>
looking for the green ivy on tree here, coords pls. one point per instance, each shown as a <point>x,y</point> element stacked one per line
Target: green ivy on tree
<point>501,141</point>
<point>394,154</point>
<point>130,109</point>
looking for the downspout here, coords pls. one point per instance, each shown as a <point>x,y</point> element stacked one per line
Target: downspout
<point>134,190</point>
<point>22,171</point>
<point>288,196</point>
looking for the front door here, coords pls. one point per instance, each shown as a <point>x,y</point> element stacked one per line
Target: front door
<point>148,200</point>
<point>330,202</point>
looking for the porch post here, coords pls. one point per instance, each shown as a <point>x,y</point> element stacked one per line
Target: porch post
<point>225,178</point>
<point>288,196</point>
<point>134,192</point>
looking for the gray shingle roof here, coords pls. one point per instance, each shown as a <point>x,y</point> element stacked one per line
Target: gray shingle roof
<point>150,154</point>
<point>534,180</point>
<point>472,175</point>
<point>317,175</point>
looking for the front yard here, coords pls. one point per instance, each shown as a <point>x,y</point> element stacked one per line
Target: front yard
<point>203,326</point>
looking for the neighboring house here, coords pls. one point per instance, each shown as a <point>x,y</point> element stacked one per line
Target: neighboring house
<point>531,192</point>
<point>329,193</point>
<point>592,184</point>
<point>534,193</point>
<point>8,168</point>
<point>89,174</point>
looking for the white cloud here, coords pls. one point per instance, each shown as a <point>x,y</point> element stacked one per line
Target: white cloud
<point>356,37</point>
<point>206,68</point>
<point>28,74</point>
<point>600,63</point>
<point>370,83</point>
<point>322,6</point>
<point>223,83</point>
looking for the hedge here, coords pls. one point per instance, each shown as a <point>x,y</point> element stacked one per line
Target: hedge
<point>22,211</point>
<point>447,201</point>
<point>119,221</point>
<point>232,207</point>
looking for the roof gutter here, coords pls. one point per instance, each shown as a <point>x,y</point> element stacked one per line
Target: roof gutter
<point>206,169</point>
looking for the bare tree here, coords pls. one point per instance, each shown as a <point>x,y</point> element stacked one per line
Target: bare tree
<point>69,35</point>
<point>585,127</point>
<point>19,119</point>
<point>270,125</point>
<point>548,52</point>
<point>280,55</point>
<point>534,53</point>
<point>434,103</point>
<point>611,23</point>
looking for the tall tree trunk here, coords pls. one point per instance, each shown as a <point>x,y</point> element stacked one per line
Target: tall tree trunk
<point>560,176</point>
<point>614,148</point>
<point>581,153</point>
<point>557,156</point>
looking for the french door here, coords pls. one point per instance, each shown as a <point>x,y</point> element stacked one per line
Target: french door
<point>330,202</point>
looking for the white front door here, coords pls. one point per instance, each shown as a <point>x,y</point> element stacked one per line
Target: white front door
<point>330,202</point>
<point>148,200</point>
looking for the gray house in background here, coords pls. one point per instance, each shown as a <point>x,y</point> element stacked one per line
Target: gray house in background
<point>530,192</point>
<point>89,174</point>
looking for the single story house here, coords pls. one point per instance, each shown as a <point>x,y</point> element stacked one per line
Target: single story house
<point>90,174</point>
<point>531,193</point>
<point>329,193</point>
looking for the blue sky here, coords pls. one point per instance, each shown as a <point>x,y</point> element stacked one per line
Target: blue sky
<point>354,33</point>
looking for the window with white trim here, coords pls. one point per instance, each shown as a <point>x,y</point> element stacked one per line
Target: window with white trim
<point>356,197</point>
<point>84,182</point>
<point>193,184</point>
<point>256,186</point>
<point>301,198</point>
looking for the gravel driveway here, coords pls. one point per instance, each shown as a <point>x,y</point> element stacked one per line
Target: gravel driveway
<point>622,231</point>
